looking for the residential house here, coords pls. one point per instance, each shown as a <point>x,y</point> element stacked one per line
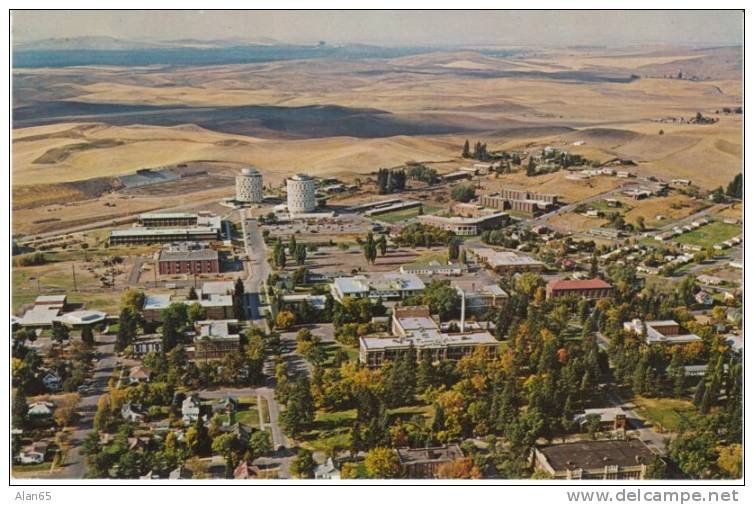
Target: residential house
<point>191,409</point>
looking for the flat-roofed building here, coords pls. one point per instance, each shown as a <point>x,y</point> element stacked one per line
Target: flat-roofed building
<point>141,235</point>
<point>595,460</point>
<point>45,311</point>
<point>589,289</point>
<point>661,332</point>
<point>415,329</point>
<point>216,339</point>
<point>168,219</point>
<point>479,298</point>
<point>434,268</point>
<point>520,200</point>
<point>188,258</point>
<point>506,261</point>
<point>387,286</point>
<point>145,344</point>
<point>465,225</point>
<point>423,463</point>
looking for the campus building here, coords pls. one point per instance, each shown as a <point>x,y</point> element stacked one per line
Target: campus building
<point>506,261</point>
<point>168,219</point>
<point>215,340</point>
<point>414,328</point>
<point>589,289</point>
<point>386,286</point>
<point>423,463</point>
<point>301,190</point>
<point>594,460</point>
<point>249,186</point>
<point>465,226</point>
<point>661,332</point>
<point>519,200</point>
<point>188,258</point>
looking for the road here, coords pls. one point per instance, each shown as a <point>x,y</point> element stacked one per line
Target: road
<point>75,465</point>
<point>259,268</point>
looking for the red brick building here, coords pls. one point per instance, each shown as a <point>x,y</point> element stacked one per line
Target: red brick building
<point>591,289</point>
<point>188,261</point>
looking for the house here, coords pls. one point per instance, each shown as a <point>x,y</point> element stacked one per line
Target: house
<point>180,472</point>
<point>52,381</point>
<point>423,463</point>
<point>34,454</point>
<point>227,405</point>
<point>145,344</point>
<point>709,280</point>
<point>594,460</point>
<point>132,412</point>
<point>704,298</point>
<point>41,410</point>
<point>245,471</point>
<point>191,409</point>
<point>610,418</point>
<point>327,471</point>
<point>139,374</point>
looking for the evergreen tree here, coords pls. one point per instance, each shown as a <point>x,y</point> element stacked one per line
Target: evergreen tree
<point>299,413</point>
<point>466,149</point>
<point>87,335</point>
<point>20,410</point>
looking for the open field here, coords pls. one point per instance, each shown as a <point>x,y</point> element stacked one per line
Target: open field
<point>349,118</point>
<point>665,413</point>
<point>710,234</point>
<point>404,215</point>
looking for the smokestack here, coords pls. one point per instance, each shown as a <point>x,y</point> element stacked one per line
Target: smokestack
<point>463,311</point>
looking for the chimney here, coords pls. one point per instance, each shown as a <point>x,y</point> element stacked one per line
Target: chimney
<point>463,311</point>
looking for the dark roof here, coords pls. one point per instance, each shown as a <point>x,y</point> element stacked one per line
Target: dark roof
<point>590,455</point>
<point>430,454</point>
<point>190,255</point>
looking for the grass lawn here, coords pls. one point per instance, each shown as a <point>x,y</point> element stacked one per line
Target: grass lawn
<point>404,214</point>
<point>247,411</point>
<point>263,409</point>
<point>39,467</point>
<point>665,413</point>
<point>710,234</point>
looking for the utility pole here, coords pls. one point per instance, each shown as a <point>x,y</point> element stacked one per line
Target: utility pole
<point>73,272</point>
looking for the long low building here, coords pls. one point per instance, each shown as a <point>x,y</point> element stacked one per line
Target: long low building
<point>387,286</point>
<point>168,219</point>
<point>506,261</point>
<point>465,225</point>
<point>214,297</point>
<point>415,329</point>
<point>595,460</point>
<point>140,235</point>
<point>661,332</point>
<point>589,289</point>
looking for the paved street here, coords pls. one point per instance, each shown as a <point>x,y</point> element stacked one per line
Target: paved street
<point>258,267</point>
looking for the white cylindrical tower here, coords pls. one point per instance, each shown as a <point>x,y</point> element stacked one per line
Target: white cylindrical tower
<point>249,186</point>
<point>301,189</point>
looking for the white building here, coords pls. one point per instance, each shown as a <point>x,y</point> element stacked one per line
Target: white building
<point>661,332</point>
<point>301,194</point>
<point>249,186</point>
<point>387,286</point>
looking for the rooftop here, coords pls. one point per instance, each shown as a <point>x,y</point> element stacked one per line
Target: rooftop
<point>427,339</point>
<point>429,454</point>
<point>167,215</point>
<point>380,282</point>
<point>592,455</point>
<point>188,255</point>
<point>564,284</point>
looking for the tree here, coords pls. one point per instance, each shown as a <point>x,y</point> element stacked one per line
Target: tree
<point>370,248</point>
<point>260,444</point>
<point>466,153</point>
<point>239,291</point>
<point>132,299</point>
<point>303,465</point>
<point>299,412</point>
<point>174,320</point>
<point>463,468</point>
<point>127,326</point>
<point>454,248</point>
<point>640,223</point>
<point>87,335</point>
<point>20,410</point>
<point>531,168</point>
<point>441,298</point>
<point>255,348</point>
<point>59,332</point>
<point>736,187</point>
<point>192,294</point>
<point>383,463</point>
<point>196,312</point>
<point>382,245</point>
<point>463,193</point>
<point>285,319</point>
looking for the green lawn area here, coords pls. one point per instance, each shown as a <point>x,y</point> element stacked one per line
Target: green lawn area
<point>402,215</point>
<point>39,467</point>
<point>710,234</point>
<point>247,411</point>
<point>665,413</point>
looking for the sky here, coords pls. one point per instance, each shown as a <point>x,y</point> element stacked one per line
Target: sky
<point>394,28</point>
